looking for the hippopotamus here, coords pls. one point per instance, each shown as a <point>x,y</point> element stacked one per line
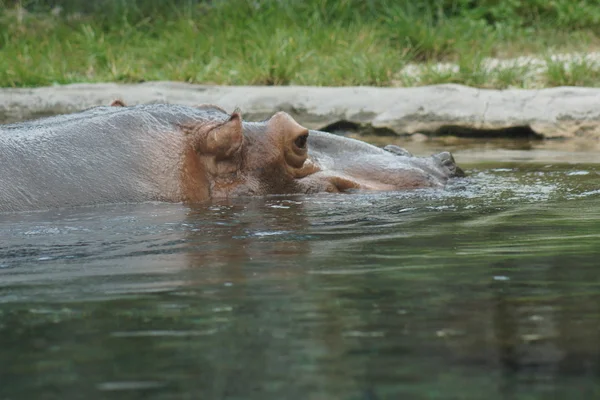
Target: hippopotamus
<point>176,153</point>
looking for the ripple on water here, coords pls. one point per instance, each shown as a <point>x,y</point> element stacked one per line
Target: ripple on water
<point>119,386</point>
<point>421,292</point>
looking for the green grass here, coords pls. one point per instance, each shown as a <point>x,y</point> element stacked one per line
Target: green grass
<point>574,73</point>
<point>273,42</point>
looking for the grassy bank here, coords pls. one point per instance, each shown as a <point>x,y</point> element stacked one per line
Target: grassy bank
<point>312,42</point>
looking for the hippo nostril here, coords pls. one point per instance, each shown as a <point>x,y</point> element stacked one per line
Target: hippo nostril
<point>447,160</point>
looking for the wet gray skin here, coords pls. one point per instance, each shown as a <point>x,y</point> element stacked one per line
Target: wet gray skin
<point>392,164</point>
<point>136,154</point>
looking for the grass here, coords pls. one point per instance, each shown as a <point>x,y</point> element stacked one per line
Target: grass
<point>579,72</point>
<point>313,42</point>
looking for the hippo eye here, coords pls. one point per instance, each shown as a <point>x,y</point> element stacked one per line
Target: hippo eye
<point>301,141</point>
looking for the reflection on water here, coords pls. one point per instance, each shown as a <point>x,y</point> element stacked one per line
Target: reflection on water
<point>468,151</point>
<point>487,289</point>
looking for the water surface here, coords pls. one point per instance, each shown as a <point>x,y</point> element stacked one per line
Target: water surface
<point>489,288</point>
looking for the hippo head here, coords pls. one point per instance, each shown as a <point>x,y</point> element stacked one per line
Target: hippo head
<point>229,158</point>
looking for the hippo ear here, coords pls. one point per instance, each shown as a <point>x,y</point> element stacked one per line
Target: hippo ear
<point>118,103</point>
<point>293,138</point>
<point>224,140</point>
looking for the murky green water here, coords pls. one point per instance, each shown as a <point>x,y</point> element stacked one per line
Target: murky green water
<point>488,289</point>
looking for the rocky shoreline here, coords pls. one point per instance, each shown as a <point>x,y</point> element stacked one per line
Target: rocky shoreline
<point>563,112</point>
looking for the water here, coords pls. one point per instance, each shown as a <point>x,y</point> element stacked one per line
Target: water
<point>487,289</point>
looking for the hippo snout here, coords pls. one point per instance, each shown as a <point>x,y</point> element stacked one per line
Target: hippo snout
<point>446,160</point>
<point>397,150</point>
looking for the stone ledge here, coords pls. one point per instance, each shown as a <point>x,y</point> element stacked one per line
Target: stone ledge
<point>440,109</point>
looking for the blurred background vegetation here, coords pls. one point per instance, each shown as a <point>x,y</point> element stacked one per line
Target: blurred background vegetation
<point>280,42</point>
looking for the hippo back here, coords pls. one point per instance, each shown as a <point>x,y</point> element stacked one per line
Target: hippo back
<point>110,154</point>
